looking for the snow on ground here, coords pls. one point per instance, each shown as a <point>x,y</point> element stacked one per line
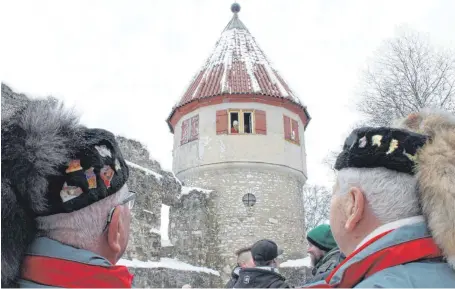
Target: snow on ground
<point>187,190</point>
<point>147,171</point>
<point>166,243</point>
<point>305,262</point>
<point>166,263</point>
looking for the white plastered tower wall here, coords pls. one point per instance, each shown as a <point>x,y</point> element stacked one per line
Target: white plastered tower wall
<point>268,166</point>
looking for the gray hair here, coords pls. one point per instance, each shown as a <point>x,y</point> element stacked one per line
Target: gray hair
<point>391,195</point>
<point>82,228</point>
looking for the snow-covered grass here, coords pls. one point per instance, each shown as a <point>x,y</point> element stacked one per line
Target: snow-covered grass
<point>187,190</point>
<point>166,263</point>
<point>305,262</point>
<point>147,171</point>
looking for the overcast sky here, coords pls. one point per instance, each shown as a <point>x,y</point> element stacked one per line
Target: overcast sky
<point>124,64</point>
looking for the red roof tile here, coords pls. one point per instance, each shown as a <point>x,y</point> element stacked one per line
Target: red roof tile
<point>237,66</point>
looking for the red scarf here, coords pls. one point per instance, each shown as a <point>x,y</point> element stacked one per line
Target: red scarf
<point>71,274</point>
<point>399,254</point>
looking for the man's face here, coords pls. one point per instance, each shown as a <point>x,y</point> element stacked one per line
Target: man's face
<point>315,254</point>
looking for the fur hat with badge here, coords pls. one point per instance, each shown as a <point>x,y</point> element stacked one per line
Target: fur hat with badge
<point>422,145</point>
<point>50,164</point>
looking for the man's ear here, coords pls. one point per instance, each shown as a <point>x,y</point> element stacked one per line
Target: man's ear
<point>355,208</point>
<point>114,230</point>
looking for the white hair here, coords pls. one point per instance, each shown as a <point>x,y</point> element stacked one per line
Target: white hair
<point>391,195</point>
<point>81,228</point>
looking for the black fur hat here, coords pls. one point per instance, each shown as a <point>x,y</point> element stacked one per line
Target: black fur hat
<point>372,147</point>
<point>50,164</point>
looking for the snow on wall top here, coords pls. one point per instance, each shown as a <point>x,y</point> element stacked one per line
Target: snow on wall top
<point>166,263</point>
<point>237,65</point>
<point>147,171</point>
<point>187,190</point>
<point>305,262</point>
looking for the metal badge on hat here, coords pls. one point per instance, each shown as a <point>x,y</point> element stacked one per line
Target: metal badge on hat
<point>91,178</point>
<point>103,151</point>
<point>69,192</point>
<point>106,174</point>
<point>74,166</point>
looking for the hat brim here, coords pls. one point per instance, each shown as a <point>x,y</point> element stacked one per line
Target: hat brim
<point>280,251</point>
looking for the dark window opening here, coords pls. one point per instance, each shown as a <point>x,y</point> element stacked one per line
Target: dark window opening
<point>249,200</point>
<point>235,122</point>
<point>247,122</point>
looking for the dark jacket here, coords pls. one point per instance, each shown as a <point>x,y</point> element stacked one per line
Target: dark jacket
<point>234,277</point>
<point>261,277</point>
<point>327,263</point>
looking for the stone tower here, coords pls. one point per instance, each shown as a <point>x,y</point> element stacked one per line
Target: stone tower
<point>239,131</point>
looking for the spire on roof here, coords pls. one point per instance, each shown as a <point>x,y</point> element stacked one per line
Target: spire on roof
<point>235,21</point>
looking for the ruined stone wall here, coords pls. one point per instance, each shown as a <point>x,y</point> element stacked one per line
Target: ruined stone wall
<point>170,278</point>
<point>193,229</point>
<point>278,213</point>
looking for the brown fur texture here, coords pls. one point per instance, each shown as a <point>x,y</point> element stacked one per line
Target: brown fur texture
<point>436,175</point>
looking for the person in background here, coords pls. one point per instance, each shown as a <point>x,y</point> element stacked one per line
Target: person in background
<point>235,127</point>
<point>244,260</point>
<point>324,252</point>
<point>66,208</point>
<point>265,274</point>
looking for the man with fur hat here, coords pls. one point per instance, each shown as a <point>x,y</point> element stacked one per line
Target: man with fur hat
<point>324,252</point>
<point>265,274</point>
<point>392,210</point>
<point>65,203</point>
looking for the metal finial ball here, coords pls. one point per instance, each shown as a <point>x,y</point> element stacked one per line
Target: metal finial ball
<point>235,8</point>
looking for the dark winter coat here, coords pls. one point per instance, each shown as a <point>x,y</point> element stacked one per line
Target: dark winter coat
<point>261,277</point>
<point>327,263</point>
<point>234,277</point>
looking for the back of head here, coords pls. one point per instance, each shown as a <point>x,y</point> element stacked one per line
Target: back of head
<point>321,237</point>
<point>264,252</point>
<point>47,159</point>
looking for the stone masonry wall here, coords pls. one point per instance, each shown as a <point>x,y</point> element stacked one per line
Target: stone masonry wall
<point>169,278</point>
<point>277,214</point>
<point>193,229</point>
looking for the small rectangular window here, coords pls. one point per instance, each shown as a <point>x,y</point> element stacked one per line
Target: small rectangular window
<point>291,130</point>
<point>190,130</point>
<point>234,125</point>
<point>247,122</point>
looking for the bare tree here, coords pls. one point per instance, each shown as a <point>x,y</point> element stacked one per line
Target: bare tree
<point>317,205</point>
<point>407,75</point>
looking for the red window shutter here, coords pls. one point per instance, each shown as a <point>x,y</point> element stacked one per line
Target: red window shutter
<point>221,122</point>
<point>295,129</point>
<point>287,127</point>
<point>185,127</point>
<point>194,127</point>
<point>261,122</point>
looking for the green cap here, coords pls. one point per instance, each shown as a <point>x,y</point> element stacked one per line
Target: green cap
<point>322,237</point>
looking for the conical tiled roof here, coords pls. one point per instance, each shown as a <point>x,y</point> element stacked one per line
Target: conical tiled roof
<point>237,66</point>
